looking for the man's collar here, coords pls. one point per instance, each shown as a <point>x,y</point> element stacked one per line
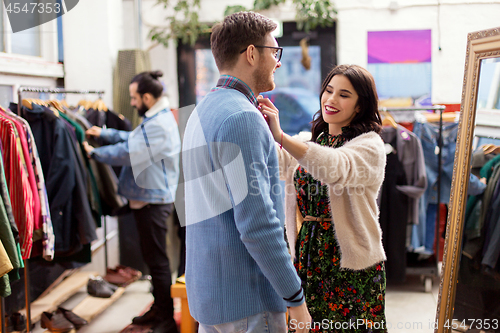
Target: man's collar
<point>161,104</point>
<point>228,81</point>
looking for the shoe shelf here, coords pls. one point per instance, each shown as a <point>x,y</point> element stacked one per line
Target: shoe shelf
<point>58,295</point>
<point>92,306</point>
<point>88,308</point>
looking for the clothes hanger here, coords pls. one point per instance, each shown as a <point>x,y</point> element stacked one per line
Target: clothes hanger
<point>84,103</point>
<point>27,103</point>
<point>491,148</point>
<point>40,102</point>
<point>388,119</point>
<point>55,103</point>
<point>100,105</point>
<point>487,146</point>
<point>451,117</point>
<point>104,107</point>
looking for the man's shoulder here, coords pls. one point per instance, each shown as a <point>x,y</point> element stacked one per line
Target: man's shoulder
<point>225,96</point>
<point>226,104</point>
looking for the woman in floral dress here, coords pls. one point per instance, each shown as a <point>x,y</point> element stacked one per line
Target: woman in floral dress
<point>334,178</point>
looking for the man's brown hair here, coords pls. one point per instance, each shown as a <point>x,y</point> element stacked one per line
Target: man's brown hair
<point>235,33</point>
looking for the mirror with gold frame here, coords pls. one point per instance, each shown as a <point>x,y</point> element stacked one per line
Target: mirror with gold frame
<point>469,295</point>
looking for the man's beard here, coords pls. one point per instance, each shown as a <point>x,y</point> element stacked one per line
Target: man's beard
<point>142,110</point>
<point>263,81</point>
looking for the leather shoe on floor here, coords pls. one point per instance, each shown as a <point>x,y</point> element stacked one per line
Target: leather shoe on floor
<point>153,316</point>
<point>97,287</point>
<point>122,275</point>
<point>134,273</point>
<point>166,326</point>
<point>118,277</point>
<point>76,320</point>
<point>8,324</point>
<point>19,321</point>
<point>56,322</point>
<point>130,270</point>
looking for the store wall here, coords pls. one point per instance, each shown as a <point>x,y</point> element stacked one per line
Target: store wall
<point>92,37</point>
<point>450,22</point>
<point>17,70</point>
<point>162,58</point>
<point>165,58</point>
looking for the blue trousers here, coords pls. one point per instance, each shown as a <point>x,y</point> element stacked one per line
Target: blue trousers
<point>264,322</point>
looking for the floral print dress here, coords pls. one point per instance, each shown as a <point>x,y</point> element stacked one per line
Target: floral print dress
<point>339,300</point>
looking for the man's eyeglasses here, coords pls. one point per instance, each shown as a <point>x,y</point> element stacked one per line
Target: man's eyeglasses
<point>277,54</point>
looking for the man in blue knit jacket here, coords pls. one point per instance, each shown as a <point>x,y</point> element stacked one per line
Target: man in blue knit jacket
<point>239,275</point>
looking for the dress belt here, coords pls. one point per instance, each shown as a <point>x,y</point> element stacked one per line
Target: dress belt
<point>316,219</point>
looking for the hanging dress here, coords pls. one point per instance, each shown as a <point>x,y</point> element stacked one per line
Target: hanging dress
<point>336,298</point>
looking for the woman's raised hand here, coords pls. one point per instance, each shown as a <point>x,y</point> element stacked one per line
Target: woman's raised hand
<point>271,113</point>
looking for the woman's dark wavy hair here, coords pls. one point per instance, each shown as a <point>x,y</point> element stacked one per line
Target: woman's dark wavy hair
<point>368,117</point>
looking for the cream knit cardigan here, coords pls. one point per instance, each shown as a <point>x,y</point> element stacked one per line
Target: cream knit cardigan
<point>354,174</point>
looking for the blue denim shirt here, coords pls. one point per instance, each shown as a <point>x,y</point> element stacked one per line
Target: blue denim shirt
<point>149,156</point>
<point>428,134</point>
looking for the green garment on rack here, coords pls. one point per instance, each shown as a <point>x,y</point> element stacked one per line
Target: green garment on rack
<point>5,289</point>
<point>487,169</point>
<point>7,238</point>
<point>94,197</point>
<point>9,243</point>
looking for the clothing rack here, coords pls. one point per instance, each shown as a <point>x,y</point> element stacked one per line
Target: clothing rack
<point>20,92</point>
<point>435,270</point>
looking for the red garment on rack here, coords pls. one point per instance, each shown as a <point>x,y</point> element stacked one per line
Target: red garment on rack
<point>37,210</point>
<point>21,195</point>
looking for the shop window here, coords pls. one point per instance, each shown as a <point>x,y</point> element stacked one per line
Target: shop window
<point>2,43</point>
<point>60,40</point>
<point>489,92</point>
<point>207,73</point>
<point>291,74</point>
<point>400,62</point>
<point>26,42</point>
<point>6,95</point>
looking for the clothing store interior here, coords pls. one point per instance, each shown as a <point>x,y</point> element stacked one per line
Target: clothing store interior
<point>69,246</point>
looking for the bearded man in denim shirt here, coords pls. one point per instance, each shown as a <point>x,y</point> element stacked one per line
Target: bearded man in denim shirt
<point>150,159</point>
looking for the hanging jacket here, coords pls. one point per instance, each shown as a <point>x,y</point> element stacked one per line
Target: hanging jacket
<point>411,155</point>
<point>69,206</point>
<point>8,233</point>
<point>393,213</point>
<point>37,212</point>
<point>106,179</point>
<point>108,119</point>
<point>47,232</point>
<point>18,185</point>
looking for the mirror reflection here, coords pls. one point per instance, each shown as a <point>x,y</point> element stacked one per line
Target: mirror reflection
<point>478,287</point>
